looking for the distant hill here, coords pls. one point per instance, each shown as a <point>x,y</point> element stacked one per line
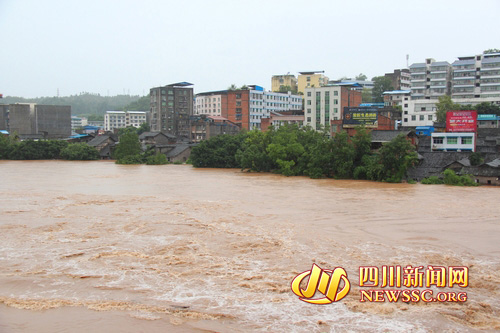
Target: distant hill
<point>87,103</point>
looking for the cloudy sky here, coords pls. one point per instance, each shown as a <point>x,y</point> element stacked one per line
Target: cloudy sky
<point>125,46</point>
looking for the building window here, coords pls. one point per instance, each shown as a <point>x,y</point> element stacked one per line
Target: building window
<point>335,101</point>
<point>308,119</point>
<point>437,140</point>
<point>429,117</point>
<point>308,102</point>
<point>335,93</point>
<point>238,103</point>
<point>406,120</point>
<point>308,110</point>
<point>238,95</point>
<point>421,117</point>
<point>308,79</point>
<point>452,140</point>
<point>467,140</point>
<point>308,94</point>
<point>413,117</point>
<point>335,110</point>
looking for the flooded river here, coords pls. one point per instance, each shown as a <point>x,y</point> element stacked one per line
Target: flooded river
<point>113,248</point>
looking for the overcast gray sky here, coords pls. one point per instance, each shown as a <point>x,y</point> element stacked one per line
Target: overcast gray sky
<point>112,47</point>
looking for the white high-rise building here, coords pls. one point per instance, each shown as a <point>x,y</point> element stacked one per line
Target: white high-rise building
<point>121,119</point>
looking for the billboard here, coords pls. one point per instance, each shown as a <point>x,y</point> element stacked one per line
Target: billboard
<point>461,121</point>
<point>360,116</point>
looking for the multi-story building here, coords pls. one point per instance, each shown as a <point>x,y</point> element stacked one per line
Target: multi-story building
<point>398,98</point>
<point>311,79</point>
<point>121,119</point>
<point>210,103</point>
<point>280,82</point>
<point>246,107</point>
<point>476,76</point>
<point>326,103</point>
<point>171,107</point>
<point>400,79</point>
<point>40,121</point>
<point>78,122</point>
<point>284,118</point>
<point>430,80</point>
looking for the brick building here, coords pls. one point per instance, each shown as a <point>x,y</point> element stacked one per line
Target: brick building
<point>171,107</point>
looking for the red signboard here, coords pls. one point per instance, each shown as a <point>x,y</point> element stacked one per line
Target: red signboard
<point>461,121</point>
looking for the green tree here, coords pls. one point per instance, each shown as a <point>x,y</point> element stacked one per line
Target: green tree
<point>343,154</point>
<point>232,87</point>
<point>361,77</point>
<point>366,95</point>
<point>285,150</point>
<point>142,104</point>
<point>489,51</point>
<point>252,154</point>
<point>396,157</point>
<point>79,151</point>
<point>128,129</point>
<point>143,128</point>
<point>476,158</point>
<point>487,108</point>
<point>380,85</point>
<point>157,159</point>
<point>128,145</point>
<point>362,144</point>
<point>218,152</point>
<point>444,105</point>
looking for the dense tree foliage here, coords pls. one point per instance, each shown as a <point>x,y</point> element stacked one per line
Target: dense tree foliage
<point>380,85</point>
<point>444,105</point>
<point>45,150</point>
<point>30,149</point>
<point>290,151</point>
<point>79,151</point>
<point>449,177</point>
<point>128,145</point>
<point>218,152</point>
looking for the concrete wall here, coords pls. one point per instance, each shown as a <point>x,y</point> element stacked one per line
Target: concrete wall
<point>21,119</point>
<point>3,117</point>
<point>54,121</point>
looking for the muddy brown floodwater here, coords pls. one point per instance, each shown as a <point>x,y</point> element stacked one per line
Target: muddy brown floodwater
<point>95,246</point>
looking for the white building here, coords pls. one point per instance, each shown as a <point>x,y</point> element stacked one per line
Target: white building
<point>121,119</point>
<point>208,104</point>
<point>262,103</point>
<point>453,141</point>
<point>322,104</point>
<point>430,80</point>
<point>423,112</point>
<point>78,122</point>
<point>476,76</point>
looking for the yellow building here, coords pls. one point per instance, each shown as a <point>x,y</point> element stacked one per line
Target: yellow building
<point>280,81</point>
<point>311,79</point>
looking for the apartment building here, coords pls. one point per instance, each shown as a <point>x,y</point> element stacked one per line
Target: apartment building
<point>430,79</point>
<point>476,76</point>
<point>326,103</point>
<point>171,107</point>
<point>246,107</point>
<point>400,79</point>
<point>311,79</point>
<point>120,119</point>
<point>279,82</point>
<point>210,103</point>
